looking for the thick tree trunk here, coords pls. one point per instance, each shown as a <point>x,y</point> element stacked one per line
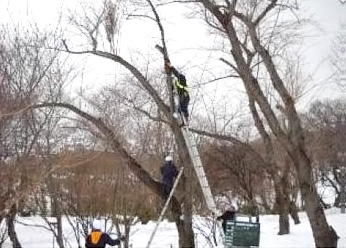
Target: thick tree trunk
<point>184,222</point>
<point>285,200</point>
<point>11,227</point>
<point>284,224</point>
<point>184,227</point>
<point>324,235</point>
<point>188,239</point>
<point>294,213</point>
<point>283,210</point>
<point>280,183</point>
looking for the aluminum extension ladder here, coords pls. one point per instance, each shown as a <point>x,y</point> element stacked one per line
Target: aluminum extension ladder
<point>197,164</point>
<point>203,181</point>
<point>163,211</point>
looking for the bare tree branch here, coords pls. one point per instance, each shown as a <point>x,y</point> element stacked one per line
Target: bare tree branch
<point>137,169</point>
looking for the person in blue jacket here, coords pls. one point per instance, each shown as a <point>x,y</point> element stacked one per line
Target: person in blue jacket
<point>169,172</point>
<point>99,239</point>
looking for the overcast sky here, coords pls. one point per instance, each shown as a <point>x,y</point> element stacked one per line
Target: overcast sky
<point>328,13</point>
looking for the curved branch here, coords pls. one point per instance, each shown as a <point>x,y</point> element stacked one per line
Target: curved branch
<point>230,65</point>
<point>234,141</point>
<point>262,131</point>
<point>135,72</point>
<point>264,13</point>
<point>135,167</point>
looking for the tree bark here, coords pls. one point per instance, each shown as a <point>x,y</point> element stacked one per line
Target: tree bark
<point>59,235</point>
<point>294,212</point>
<point>184,221</point>
<point>322,232</point>
<point>282,209</point>
<point>56,209</point>
<point>284,224</point>
<point>273,169</point>
<point>188,239</point>
<point>11,217</point>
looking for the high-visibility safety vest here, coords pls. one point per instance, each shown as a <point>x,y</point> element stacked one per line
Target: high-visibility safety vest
<point>182,89</point>
<point>95,236</point>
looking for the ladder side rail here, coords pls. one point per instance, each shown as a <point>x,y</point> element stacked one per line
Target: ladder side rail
<point>202,177</point>
<point>198,166</point>
<point>165,206</point>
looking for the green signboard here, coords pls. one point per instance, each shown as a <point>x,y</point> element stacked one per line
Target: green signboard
<point>239,233</point>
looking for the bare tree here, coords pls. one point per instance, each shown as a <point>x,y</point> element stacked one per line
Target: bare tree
<point>324,137</point>
<point>93,33</point>
<point>242,24</point>
<point>24,66</point>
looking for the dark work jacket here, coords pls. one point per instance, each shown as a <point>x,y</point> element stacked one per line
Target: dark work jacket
<point>100,240</point>
<point>169,172</point>
<point>227,215</point>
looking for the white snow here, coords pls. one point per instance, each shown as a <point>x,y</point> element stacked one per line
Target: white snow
<point>167,236</point>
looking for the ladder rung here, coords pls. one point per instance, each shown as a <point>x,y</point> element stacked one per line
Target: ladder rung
<point>197,163</point>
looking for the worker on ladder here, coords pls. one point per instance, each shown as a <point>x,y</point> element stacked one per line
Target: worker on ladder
<point>181,88</point>
<point>169,172</point>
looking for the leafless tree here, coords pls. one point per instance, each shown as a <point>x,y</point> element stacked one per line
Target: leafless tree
<point>244,25</point>
<point>26,64</point>
<point>91,28</point>
<point>324,137</point>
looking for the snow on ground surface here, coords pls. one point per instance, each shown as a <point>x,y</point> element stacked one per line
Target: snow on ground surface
<point>167,236</point>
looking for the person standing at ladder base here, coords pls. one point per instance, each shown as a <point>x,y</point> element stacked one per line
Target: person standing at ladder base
<point>229,214</point>
<point>181,87</point>
<point>169,172</point>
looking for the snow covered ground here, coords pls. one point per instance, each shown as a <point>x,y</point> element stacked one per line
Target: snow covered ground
<point>166,236</point>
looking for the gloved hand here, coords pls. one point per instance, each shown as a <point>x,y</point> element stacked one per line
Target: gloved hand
<point>122,238</point>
